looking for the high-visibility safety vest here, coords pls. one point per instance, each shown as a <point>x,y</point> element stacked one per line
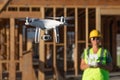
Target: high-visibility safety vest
<point>95,73</point>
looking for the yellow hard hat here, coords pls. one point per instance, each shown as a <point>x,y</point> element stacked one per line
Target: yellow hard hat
<point>95,33</point>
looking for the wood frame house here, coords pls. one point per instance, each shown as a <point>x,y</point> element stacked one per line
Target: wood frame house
<point>22,59</point>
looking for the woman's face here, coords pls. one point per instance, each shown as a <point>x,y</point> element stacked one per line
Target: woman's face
<point>95,40</point>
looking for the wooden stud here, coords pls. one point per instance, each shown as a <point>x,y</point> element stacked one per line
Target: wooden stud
<point>1,70</point>
<point>21,46</point>
<point>87,29</point>
<point>3,51</point>
<point>8,41</point>
<point>27,63</point>
<point>0,59</point>
<point>41,74</point>
<point>76,43</point>
<point>12,50</point>
<point>16,43</point>
<point>54,51</point>
<point>7,45</point>
<point>65,43</point>
<point>98,19</point>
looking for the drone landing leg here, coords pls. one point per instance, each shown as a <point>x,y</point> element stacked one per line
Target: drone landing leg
<point>37,35</point>
<point>56,31</point>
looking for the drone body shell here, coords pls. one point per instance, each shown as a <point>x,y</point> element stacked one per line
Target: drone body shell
<point>46,23</point>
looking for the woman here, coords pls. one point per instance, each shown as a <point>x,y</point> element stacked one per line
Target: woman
<point>96,61</point>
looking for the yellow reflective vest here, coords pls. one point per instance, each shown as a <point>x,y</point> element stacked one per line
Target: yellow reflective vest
<point>103,57</point>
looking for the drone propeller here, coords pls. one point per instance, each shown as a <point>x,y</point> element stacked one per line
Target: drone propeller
<point>27,18</point>
<point>71,25</point>
<point>69,18</point>
<point>66,18</point>
<point>22,19</point>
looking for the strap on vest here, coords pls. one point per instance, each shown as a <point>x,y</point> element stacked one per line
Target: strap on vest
<point>101,55</point>
<point>88,51</point>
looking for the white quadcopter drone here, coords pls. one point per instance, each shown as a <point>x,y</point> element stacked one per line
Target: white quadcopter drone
<point>46,24</point>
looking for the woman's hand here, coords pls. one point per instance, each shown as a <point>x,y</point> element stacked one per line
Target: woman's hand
<point>83,65</point>
<point>106,66</point>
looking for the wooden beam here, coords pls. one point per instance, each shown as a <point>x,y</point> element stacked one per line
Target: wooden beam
<point>16,43</point>
<point>19,14</point>
<point>98,19</point>
<point>1,70</point>
<point>87,26</point>
<point>0,53</point>
<point>27,63</point>
<point>1,50</point>
<point>7,44</point>
<point>2,43</point>
<point>55,76</point>
<point>76,43</point>
<point>65,2</point>
<point>12,68</point>
<point>41,73</point>
<point>110,11</point>
<point>3,4</point>
<point>65,44</point>
<point>21,47</point>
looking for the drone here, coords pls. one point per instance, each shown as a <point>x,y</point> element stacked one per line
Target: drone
<point>46,25</point>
